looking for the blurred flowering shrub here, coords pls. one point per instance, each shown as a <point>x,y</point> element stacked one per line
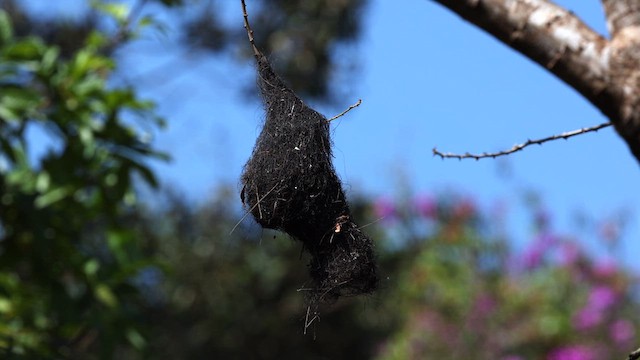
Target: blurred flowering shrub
<point>452,287</point>
<point>462,292</point>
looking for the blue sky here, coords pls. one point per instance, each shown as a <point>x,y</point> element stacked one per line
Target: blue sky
<point>426,79</point>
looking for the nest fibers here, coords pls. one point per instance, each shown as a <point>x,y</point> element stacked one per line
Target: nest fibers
<point>290,184</point>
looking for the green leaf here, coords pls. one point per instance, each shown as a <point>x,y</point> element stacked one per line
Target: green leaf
<point>7,114</point>
<point>118,242</point>
<point>43,180</point>
<point>20,101</point>
<point>118,11</point>
<point>130,198</point>
<point>136,339</point>
<point>104,294</point>
<point>97,40</point>
<point>91,267</point>
<point>86,136</point>
<point>146,174</point>
<point>91,85</point>
<point>6,29</point>
<point>30,49</point>
<point>49,60</point>
<point>5,305</point>
<point>146,20</point>
<point>51,197</point>
<point>80,64</point>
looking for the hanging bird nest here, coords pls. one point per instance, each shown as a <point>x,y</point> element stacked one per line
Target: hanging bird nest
<point>290,184</point>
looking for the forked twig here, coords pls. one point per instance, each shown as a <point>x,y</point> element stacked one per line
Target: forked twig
<point>308,322</point>
<point>519,147</point>
<point>346,111</point>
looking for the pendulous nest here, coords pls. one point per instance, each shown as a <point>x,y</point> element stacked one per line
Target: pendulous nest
<point>290,184</point>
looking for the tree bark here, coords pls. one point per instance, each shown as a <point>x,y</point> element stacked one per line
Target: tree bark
<point>605,72</point>
<point>623,22</point>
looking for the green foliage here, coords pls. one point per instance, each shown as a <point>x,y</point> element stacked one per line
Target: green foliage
<point>237,295</point>
<point>450,289</point>
<point>68,157</point>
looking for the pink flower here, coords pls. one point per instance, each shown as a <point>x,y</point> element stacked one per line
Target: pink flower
<point>569,253</point>
<point>384,209</point>
<point>587,318</point>
<point>601,298</point>
<point>485,304</point>
<point>534,254</point>
<point>622,331</point>
<point>532,258</point>
<point>575,352</point>
<point>426,206</point>
<point>605,268</point>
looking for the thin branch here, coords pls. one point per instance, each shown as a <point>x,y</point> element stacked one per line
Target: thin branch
<point>308,322</point>
<point>247,27</point>
<point>635,355</point>
<point>519,147</point>
<point>346,111</point>
<point>604,71</point>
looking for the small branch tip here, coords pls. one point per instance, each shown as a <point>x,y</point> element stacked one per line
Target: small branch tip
<point>346,111</point>
<point>519,147</point>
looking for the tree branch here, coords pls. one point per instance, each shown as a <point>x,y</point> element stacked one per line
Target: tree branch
<point>607,73</point>
<point>519,147</point>
<point>621,14</point>
<point>623,21</point>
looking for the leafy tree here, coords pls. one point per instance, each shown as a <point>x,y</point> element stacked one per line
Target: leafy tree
<point>69,153</point>
<point>72,146</point>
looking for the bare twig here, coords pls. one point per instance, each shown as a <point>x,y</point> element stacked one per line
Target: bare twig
<point>256,52</point>
<point>634,355</point>
<point>346,111</point>
<point>519,147</point>
<point>307,321</point>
